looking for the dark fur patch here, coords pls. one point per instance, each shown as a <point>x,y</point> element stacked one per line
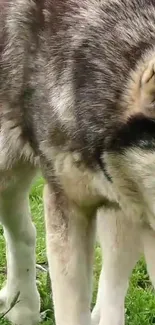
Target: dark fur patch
<point>139,132</point>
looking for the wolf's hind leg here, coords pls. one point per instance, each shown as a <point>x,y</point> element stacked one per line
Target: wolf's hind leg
<point>20,238</point>
<point>70,241</point>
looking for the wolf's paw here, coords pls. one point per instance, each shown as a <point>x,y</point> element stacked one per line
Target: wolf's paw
<point>20,308</point>
<point>23,315</point>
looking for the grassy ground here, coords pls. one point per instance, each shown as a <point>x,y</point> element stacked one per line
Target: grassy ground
<point>140,301</point>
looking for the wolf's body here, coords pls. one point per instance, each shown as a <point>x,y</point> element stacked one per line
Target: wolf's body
<point>77,100</point>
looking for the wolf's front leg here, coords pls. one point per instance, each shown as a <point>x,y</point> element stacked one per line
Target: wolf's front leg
<point>70,240</point>
<point>121,244</point>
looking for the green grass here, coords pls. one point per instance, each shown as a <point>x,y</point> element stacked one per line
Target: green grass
<point>140,300</point>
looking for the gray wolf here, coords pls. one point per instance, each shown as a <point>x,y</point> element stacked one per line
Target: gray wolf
<point>77,102</point>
